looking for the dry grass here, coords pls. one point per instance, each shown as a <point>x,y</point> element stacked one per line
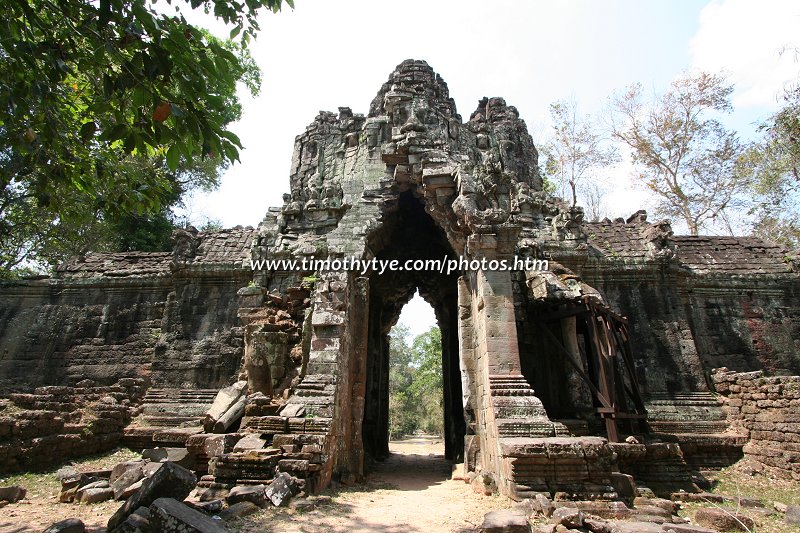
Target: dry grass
<point>44,482</point>
<point>740,480</point>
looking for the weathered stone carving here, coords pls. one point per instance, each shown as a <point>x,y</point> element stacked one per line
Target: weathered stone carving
<point>412,181</point>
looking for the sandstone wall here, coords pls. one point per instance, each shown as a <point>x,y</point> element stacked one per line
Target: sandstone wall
<point>768,410</point>
<point>174,332</point>
<point>54,423</point>
<point>169,317</point>
<point>695,303</point>
<point>661,335</point>
<point>55,333</point>
<point>747,328</point>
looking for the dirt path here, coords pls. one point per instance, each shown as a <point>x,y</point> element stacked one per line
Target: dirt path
<point>411,491</point>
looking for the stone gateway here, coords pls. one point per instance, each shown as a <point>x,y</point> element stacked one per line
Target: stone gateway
<point>558,380</point>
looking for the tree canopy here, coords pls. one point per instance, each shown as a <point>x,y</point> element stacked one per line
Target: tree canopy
<point>107,110</point>
<point>774,163</point>
<point>575,153</point>
<point>415,382</point>
<point>685,157</point>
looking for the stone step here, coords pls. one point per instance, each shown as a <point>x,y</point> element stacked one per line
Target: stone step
<point>180,395</point>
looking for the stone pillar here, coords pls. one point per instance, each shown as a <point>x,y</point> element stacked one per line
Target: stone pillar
<point>358,333</point>
<point>497,323</point>
<point>468,367</point>
<point>506,404</point>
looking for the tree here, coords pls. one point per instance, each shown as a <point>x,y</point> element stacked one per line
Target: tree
<point>427,385</point>
<point>575,150</point>
<point>402,411</point>
<point>87,88</point>
<point>774,164</point>
<point>415,382</point>
<point>684,157</point>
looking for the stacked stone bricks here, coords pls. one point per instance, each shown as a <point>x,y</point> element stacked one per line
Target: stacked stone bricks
<point>768,408</point>
<point>54,423</point>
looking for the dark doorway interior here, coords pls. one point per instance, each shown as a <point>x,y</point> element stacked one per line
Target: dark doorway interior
<point>409,233</point>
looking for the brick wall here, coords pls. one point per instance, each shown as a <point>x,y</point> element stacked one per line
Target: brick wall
<point>768,410</point>
<point>52,424</point>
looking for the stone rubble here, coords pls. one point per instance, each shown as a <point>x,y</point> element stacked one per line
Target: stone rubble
<point>582,390</point>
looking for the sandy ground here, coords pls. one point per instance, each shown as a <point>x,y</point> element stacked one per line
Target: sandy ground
<point>411,491</point>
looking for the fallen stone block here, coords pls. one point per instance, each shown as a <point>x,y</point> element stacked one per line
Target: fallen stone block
<point>281,490</point>
<point>169,481</point>
<point>130,490</point>
<point>569,517</point>
<point>121,468</point>
<point>125,479</point>
<point>137,522</point>
<point>154,454</point>
<point>505,521</point>
<point>224,400</point>
<point>95,495</point>
<point>792,515</point>
<point>70,525</point>
<point>150,468</point>
<point>293,410</point>
<point>248,493</point>
<point>624,485</point>
<point>723,519</point>
<point>219,444</point>
<point>685,528</point>
<point>238,510</point>
<point>180,456</point>
<point>232,415</point>
<point>252,441</point>
<point>168,515</point>
<point>71,478</point>
<point>12,494</point>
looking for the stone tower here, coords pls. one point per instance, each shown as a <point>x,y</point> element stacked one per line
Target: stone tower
<point>545,371</point>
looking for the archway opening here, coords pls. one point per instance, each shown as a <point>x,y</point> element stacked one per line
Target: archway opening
<point>416,387</point>
<point>409,234</point>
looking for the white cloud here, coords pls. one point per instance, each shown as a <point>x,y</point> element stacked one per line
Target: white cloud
<point>744,39</point>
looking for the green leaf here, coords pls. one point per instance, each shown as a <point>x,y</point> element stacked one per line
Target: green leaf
<point>117,132</point>
<point>231,137</point>
<point>87,130</point>
<point>173,157</point>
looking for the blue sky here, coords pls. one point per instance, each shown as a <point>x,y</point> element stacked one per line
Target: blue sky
<point>328,54</point>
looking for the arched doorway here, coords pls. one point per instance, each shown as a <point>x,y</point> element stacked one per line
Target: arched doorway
<point>409,233</point>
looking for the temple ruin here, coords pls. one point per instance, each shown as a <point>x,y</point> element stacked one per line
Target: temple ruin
<point>547,374</point>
